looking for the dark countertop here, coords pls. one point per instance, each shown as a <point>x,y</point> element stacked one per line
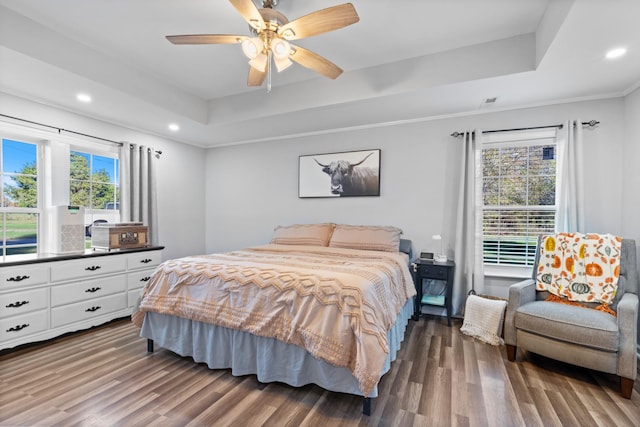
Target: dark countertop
<point>89,253</point>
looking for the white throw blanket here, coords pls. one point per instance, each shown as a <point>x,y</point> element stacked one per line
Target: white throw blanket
<point>483,319</point>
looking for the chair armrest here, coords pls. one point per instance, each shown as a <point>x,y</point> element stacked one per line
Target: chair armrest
<point>628,329</point>
<point>519,294</point>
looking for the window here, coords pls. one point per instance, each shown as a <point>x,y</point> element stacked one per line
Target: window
<point>19,210</point>
<point>519,188</point>
<point>94,183</point>
<point>41,169</point>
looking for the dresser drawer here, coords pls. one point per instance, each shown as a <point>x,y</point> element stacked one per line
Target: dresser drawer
<point>138,279</point>
<point>433,272</point>
<point>23,276</point>
<point>86,290</point>
<point>87,309</point>
<point>143,259</point>
<point>87,268</point>
<point>132,297</point>
<point>21,302</point>
<point>25,324</point>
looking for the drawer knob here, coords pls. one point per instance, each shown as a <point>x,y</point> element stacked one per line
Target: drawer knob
<point>92,290</point>
<point>17,278</point>
<point>146,261</point>
<point>145,279</point>
<point>17,304</point>
<point>18,328</point>
<point>92,309</point>
<point>93,268</point>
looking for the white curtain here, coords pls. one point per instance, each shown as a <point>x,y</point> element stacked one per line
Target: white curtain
<point>569,179</point>
<point>469,271</point>
<point>138,187</point>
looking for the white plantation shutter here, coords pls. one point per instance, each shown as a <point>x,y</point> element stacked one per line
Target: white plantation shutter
<point>519,189</point>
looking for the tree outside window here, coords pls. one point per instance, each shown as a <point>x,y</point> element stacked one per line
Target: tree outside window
<point>93,181</point>
<point>19,198</point>
<point>94,184</point>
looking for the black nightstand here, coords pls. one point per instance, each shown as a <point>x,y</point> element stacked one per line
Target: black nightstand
<point>440,287</point>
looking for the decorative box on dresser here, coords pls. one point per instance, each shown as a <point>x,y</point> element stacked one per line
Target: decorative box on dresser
<point>51,295</point>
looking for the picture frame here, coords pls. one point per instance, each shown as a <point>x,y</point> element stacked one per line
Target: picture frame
<point>342,174</point>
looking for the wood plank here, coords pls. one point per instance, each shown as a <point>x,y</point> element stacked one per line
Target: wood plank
<point>441,377</point>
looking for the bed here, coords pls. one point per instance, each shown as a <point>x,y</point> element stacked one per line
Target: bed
<point>326,304</point>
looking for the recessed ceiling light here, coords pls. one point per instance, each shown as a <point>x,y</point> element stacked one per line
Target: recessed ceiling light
<point>174,127</point>
<point>83,97</point>
<point>616,53</point>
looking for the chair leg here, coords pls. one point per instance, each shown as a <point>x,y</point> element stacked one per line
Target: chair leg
<point>511,352</point>
<point>626,387</point>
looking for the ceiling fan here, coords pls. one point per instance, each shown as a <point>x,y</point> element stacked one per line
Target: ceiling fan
<point>271,32</point>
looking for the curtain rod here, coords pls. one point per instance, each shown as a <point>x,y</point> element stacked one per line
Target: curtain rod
<point>590,123</point>
<point>62,129</point>
<point>158,152</point>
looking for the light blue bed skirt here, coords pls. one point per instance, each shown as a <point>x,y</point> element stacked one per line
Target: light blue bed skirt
<point>270,360</point>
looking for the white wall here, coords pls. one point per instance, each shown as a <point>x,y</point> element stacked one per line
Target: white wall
<point>180,172</point>
<point>630,166</point>
<point>631,176</point>
<point>252,188</point>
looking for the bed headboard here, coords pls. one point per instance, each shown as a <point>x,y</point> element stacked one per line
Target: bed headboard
<point>407,247</point>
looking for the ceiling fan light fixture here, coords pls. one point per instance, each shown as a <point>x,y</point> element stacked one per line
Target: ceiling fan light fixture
<point>259,62</point>
<point>282,63</point>
<point>281,48</point>
<point>252,47</point>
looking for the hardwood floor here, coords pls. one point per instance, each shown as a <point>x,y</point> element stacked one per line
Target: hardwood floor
<point>105,377</point>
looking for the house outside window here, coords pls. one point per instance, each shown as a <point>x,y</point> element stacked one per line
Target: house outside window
<point>519,192</point>
<point>19,195</point>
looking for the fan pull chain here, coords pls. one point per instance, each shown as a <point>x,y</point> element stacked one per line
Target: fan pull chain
<point>269,70</point>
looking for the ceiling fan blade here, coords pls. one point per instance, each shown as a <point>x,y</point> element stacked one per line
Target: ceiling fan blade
<point>250,13</point>
<point>321,21</point>
<point>314,62</point>
<point>256,77</point>
<point>207,39</point>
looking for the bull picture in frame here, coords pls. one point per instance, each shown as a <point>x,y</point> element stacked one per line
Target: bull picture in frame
<point>346,174</point>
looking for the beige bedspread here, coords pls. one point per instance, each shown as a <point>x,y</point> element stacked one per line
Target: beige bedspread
<point>336,303</point>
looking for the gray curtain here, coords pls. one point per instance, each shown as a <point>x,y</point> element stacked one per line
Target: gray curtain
<point>469,271</point>
<point>569,179</point>
<point>138,187</point>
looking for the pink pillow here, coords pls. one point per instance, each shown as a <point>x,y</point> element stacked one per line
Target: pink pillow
<point>368,237</point>
<point>303,234</point>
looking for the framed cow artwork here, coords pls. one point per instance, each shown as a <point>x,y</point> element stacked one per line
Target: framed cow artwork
<point>346,174</point>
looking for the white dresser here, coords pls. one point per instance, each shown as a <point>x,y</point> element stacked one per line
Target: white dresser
<point>48,297</point>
